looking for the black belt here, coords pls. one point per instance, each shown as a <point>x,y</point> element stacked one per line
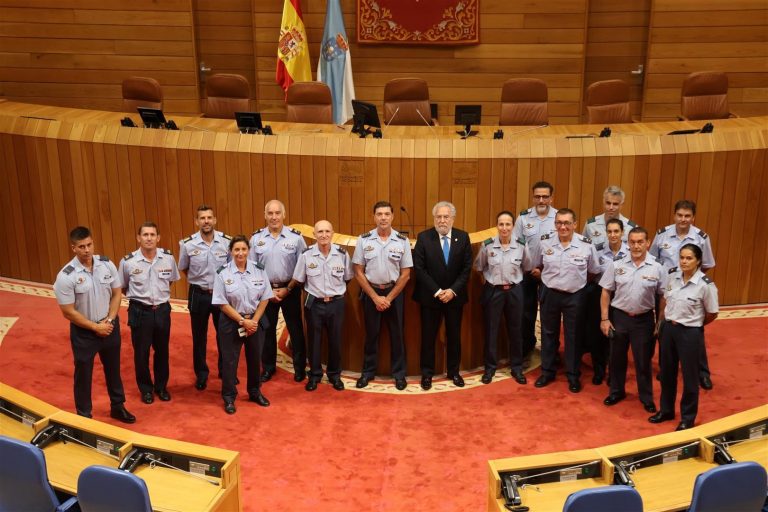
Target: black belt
<point>145,307</point>
<point>329,299</point>
<point>279,285</point>
<point>633,315</point>
<point>382,286</point>
<point>505,286</point>
<point>678,324</point>
<point>201,289</point>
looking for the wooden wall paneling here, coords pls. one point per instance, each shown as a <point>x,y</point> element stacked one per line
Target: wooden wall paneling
<point>18,217</point>
<point>344,168</point>
<point>116,244</point>
<point>9,258</point>
<point>336,196</point>
<point>250,187</point>
<point>759,274</point>
<point>309,180</point>
<point>101,199</point>
<point>51,239</point>
<point>30,206</point>
<point>321,188</point>
<point>637,202</point>
<point>744,231</point>
<point>727,231</point>
<point>125,198</point>
<point>171,201</point>
<point>296,173</point>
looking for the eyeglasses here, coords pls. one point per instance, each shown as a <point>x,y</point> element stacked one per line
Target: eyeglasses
<point>563,223</point>
<point>541,197</point>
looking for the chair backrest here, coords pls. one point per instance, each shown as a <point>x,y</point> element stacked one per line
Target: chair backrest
<point>141,91</point>
<point>524,102</point>
<point>24,477</point>
<point>226,94</point>
<point>739,487</point>
<point>105,489</point>
<point>309,102</point>
<point>608,102</point>
<point>404,100</point>
<point>705,96</point>
<point>610,498</point>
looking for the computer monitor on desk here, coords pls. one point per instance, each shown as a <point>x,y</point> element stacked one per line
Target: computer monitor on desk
<point>466,116</point>
<point>152,117</point>
<point>365,117</point>
<point>250,122</point>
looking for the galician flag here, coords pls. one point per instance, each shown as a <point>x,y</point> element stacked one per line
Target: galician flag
<point>292,48</point>
<point>335,64</point>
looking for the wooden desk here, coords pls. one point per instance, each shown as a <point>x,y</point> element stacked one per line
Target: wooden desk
<point>33,413</point>
<point>752,450</point>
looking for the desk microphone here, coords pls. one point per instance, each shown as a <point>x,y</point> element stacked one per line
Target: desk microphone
<point>427,123</point>
<point>402,209</point>
<point>386,125</point>
<point>193,127</point>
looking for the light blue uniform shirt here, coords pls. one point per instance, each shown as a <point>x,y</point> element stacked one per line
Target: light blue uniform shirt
<point>503,265</point>
<point>90,292</point>
<point>636,287</point>
<point>666,246</point>
<point>566,268</point>
<point>382,259</point>
<point>277,255</point>
<point>688,303</point>
<point>201,260</point>
<point>531,228</point>
<point>594,229</point>
<point>241,290</point>
<point>148,281</point>
<point>324,276</point>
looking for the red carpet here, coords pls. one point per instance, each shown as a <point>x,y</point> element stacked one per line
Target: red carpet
<point>370,451</point>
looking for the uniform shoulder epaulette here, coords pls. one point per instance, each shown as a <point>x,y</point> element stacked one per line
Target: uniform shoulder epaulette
<point>168,251</point>
<point>525,212</point>
<point>103,258</point>
<point>402,236</point>
<point>706,279</point>
<point>618,257</point>
<point>586,239</point>
<point>599,246</point>
<point>189,238</point>
<point>218,270</point>
<point>521,240</point>
<point>257,232</point>
<point>592,220</point>
<point>703,234</point>
<point>487,242</point>
<point>631,223</point>
<point>305,250</point>
<point>341,249</point>
<point>226,236</point>
<point>259,265</point>
<point>68,269</point>
<point>545,236</point>
<point>661,230</point>
<point>366,234</point>
<point>672,270</point>
<point>128,256</point>
<point>295,231</point>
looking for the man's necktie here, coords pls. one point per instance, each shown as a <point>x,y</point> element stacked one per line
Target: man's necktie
<point>446,249</point>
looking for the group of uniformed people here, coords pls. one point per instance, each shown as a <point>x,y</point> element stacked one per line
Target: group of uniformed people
<point>603,285</point>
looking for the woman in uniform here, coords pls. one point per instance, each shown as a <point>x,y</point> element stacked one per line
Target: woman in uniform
<point>501,260</point>
<point>690,302</point>
<point>241,289</point>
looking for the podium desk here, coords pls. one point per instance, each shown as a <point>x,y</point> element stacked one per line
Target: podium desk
<point>551,495</point>
<point>745,434</point>
<point>665,482</point>
<point>19,412</point>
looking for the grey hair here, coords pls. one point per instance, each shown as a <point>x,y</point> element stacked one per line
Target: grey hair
<point>443,204</point>
<point>282,206</point>
<point>614,190</point>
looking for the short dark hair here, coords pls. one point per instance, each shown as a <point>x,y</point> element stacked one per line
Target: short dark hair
<point>638,229</point>
<point>695,249</point>
<point>383,204</point>
<point>238,238</point>
<point>543,184</point>
<point>566,211</point>
<point>686,204</point>
<point>616,221</point>
<point>204,208</point>
<point>505,212</point>
<point>79,233</point>
<point>148,224</point>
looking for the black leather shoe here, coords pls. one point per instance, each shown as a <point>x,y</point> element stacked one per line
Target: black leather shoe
<point>684,425</point>
<point>120,413</point>
<point>259,399</point>
<point>267,375</point>
<point>649,407</point>
<point>519,377</point>
<point>486,378</point>
<point>338,384</point>
<point>574,386</point>
<point>705,382</point>
<point>299,375</point>
<point>164,395</point>
<point>661,416</point>
<point>426,383</point>
<point>147,398</point>
<point>458,381</point>
<point>362,382</point>
<point>401,384</point>
<point>543,380</point>
<point>229,407</point>
<point>614,399</point>
<point>201,384</point>
<point>311,384</point>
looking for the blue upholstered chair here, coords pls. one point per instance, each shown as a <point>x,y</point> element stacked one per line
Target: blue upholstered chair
<point>105,489</point>
<point>610,498</point>
<point>739,487</point>
<point>24,479</point>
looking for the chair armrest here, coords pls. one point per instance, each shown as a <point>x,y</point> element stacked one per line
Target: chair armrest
<point>67,505</point>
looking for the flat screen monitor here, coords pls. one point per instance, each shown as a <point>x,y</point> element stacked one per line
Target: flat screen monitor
<point>467,114</point>
<point>366,113</point>
<point>249,122</point>
<point>152,117</point>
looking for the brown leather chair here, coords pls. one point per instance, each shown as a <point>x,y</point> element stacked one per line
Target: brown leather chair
<point>705,96</point>
<point>404,100</point>
<point>523,102</point>
<point>309,102</point>
<point>226,94</point>
<point>139,91</point>
<point>608,102</point>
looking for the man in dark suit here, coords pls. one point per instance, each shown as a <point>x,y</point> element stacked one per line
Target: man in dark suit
<point>442,260</point>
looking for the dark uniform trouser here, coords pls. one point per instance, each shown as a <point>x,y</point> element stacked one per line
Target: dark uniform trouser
<point>703,360</point>
<point>150,328</point>
<point>231,344</point>
<point>595,342</point>
<point>680,344</point>
<point>291,306</point>
<point>555,303</point>
<point>497,302</point>
<point>430,324</point>
<point>636,332</point>
<point>329,316</point>
<point>394,318</point>
<point>85,345</point>
<point>530,306</point>
<point>200,308</point>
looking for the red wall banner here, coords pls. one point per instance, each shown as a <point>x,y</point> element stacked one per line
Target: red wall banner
<point>418,21</point>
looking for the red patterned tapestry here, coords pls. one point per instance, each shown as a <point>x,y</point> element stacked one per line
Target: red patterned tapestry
<point>418,21</point>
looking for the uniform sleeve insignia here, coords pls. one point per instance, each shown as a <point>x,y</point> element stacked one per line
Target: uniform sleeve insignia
<point>545,237</point>
<point>294,231</point>
<point>524,212</point>
<point>128,256</point>
<point>586,240</point>
<point>226,236</point>
<point>341,249</point>
<point>661,230</point>
<point>366,234</point>
<point>218,270</point>
<point>591,220</point>
<point>256,232</point>
<point>103,258</point>
<point>259,265</point>
<point>599,246</point>
<point>402,236</point>
<point>703,234</point>
<point>167,251</point>
<point>706,279</point>
<point>69,269</point>
<point>488,242</point>
<point>188,239</point>
<point>672,270</point>
<point>521,240</point>
<point>618,257</point>
<point>632,224</point>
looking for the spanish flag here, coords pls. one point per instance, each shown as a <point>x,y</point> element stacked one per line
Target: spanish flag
<point>292,48</point>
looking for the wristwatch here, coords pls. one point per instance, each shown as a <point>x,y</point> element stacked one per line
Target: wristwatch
<point>241,322</point>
